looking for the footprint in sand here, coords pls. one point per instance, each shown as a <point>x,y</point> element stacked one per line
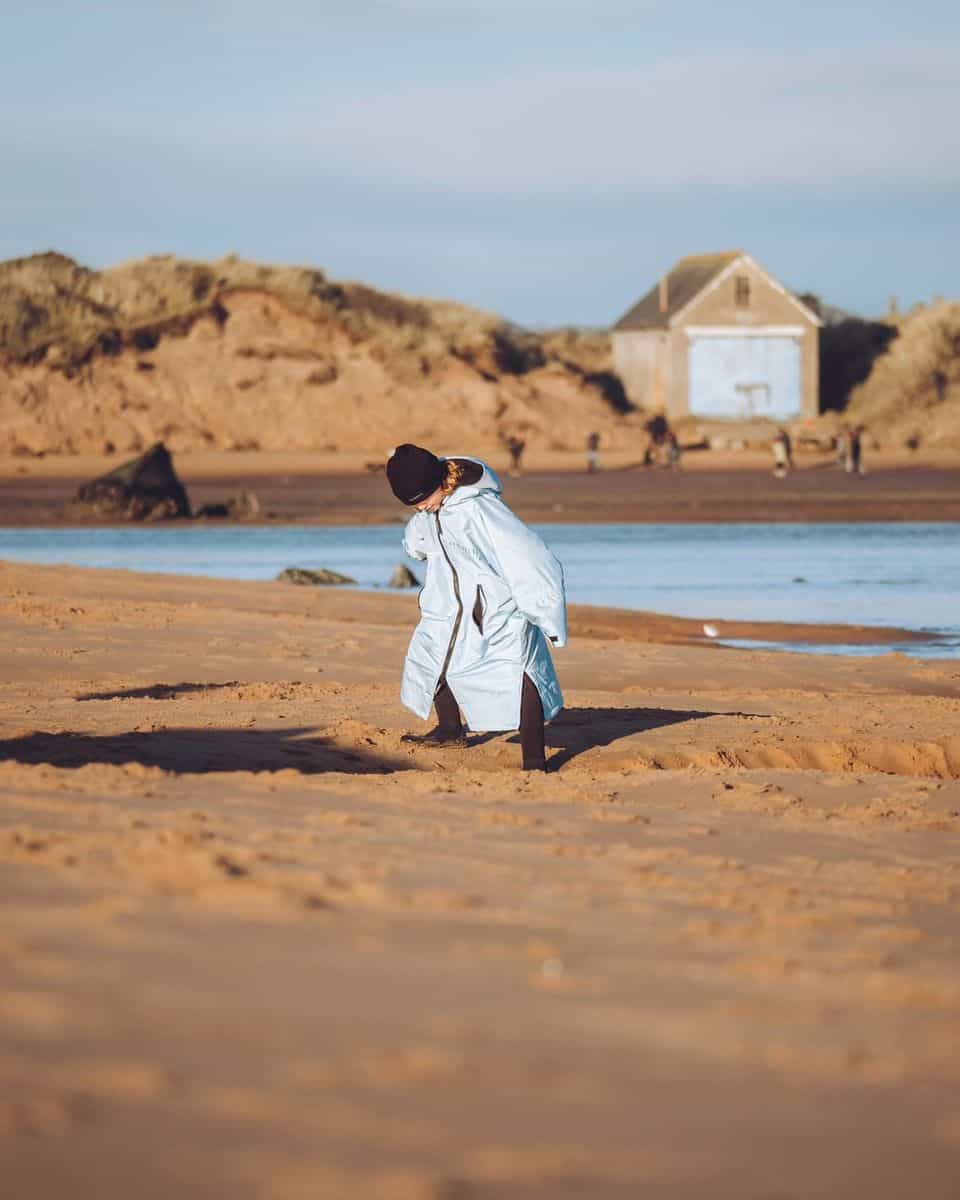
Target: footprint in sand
<point>44,1116</point>
<point>35,1014</point>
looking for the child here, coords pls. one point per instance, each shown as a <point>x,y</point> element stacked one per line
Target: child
<point>492,599</point>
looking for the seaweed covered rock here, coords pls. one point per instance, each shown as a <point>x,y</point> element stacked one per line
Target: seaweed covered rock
<point>304,577</point>
<point>145,489</point>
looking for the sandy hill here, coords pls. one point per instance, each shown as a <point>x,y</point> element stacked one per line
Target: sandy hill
<point>238,355</point>
<point>912,394</point>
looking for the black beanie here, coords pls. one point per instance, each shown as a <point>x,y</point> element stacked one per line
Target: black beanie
<point>414,473</point>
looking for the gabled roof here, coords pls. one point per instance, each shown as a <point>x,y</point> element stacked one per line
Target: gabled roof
<point>685,280</point>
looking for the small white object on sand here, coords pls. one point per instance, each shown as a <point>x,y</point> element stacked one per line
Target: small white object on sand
<point>711,630</point>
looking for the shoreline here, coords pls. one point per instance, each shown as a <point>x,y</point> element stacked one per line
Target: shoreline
<point>394,607</point>
<point>298,488</point>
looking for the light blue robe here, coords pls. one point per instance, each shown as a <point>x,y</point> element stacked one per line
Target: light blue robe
<point>492,599</point>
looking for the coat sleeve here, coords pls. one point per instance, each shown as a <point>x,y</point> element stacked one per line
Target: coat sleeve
<point>528,566</point>
<point>414,539</point>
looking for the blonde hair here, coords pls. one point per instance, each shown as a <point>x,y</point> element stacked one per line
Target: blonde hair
<point>452,478</point>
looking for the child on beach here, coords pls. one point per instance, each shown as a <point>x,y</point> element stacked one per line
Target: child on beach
<point>492,600</point>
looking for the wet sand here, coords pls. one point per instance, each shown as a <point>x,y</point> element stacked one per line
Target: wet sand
<point>255,946</point>
<point>338,489</point>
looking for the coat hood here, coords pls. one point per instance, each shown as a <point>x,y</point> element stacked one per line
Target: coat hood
<point>488,482</point>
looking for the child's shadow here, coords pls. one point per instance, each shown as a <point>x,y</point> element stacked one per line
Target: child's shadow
<point>578,729</point>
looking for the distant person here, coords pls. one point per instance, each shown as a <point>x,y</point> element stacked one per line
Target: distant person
<point>593,452</point>
<point>854,462</point>
<point>842,447</point>
<point>516,447</point>
<point>657,427</point>
<point>658,432</point>
<point>492,604</point>
<point>782,454</point>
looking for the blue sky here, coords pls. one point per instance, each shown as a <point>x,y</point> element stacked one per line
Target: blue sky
<point>546,160</point>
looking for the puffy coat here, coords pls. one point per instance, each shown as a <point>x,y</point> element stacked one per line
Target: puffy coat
<point>493,596</point>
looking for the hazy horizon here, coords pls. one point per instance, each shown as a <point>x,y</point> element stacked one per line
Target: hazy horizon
<point>546,161</point>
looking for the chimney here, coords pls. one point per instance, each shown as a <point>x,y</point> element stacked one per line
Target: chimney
<point>664,293</point>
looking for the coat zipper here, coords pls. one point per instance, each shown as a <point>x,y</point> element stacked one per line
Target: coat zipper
<point>456,592</point>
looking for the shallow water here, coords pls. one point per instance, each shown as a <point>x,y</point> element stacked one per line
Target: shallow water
<point>905,574</point>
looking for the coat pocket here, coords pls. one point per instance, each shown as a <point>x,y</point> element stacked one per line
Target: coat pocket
<point>478,608</point>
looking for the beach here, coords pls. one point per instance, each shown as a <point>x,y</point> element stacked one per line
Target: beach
<point>254,945</point>
<point>349,488</point>
<point>479,354</point>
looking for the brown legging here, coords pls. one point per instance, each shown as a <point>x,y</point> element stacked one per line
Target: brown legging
<point>531,719</point>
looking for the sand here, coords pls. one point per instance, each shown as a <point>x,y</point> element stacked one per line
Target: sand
<point>338,488</point>
<point>255,946</point>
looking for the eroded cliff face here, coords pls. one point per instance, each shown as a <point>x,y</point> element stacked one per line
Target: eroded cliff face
<point>233,355</point>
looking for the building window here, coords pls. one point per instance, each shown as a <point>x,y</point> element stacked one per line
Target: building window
<point>742,291</point>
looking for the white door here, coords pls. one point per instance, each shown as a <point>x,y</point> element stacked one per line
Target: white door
<point>753,375</point>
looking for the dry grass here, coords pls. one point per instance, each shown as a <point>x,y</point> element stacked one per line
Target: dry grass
<point>913,391</point>
<point>55,311</point>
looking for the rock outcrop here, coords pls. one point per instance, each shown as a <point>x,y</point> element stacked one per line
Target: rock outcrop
<point>144,489</point>
<point>305,577</point>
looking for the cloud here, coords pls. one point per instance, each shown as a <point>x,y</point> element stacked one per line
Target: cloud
<point>800,121</point>
<point>552,185</point>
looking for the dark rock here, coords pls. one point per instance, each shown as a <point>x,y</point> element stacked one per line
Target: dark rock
<point>403,577</point>
<point>144,489</point>
<point>305,577</point>
<point>244,506</point>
